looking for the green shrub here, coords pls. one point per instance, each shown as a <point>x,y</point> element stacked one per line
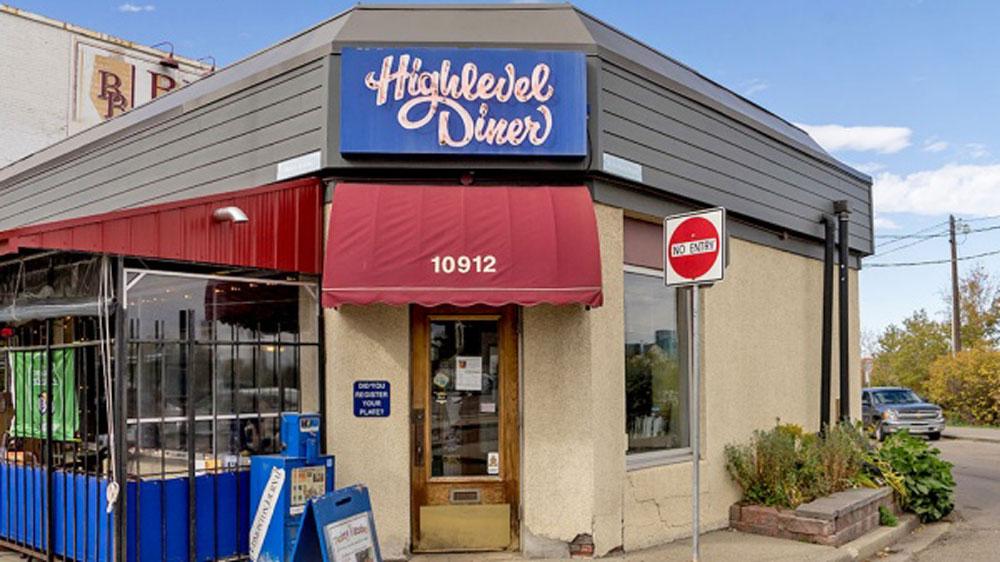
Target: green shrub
<point>967,385</point>
<point>886,517</point>
<point>766,468</point>
<point>785,466</point>
<point>926,477</point>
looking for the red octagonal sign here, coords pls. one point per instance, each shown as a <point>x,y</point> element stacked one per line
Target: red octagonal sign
<point>694,248</point>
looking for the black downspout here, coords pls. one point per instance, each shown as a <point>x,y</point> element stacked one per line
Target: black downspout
<point>843,216</point>
<point>829,226</point>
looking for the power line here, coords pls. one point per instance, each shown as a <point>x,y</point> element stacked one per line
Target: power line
<point>977,219</point>
<point>925,237</point>
<point>933,262</point>
<point>904,246</point>
<point>912,234</point>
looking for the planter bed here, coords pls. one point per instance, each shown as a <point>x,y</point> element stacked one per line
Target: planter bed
<point>832,520</point>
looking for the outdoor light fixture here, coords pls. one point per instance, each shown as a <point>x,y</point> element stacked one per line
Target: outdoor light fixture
<point>206,59</point>
<point>229,214</point>
<point>168,61</point>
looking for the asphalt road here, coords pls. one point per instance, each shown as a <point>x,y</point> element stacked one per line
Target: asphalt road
<point>975,532</point>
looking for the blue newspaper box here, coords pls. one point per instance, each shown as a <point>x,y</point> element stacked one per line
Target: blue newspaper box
<point>338,527</point>
<point>282,485</point>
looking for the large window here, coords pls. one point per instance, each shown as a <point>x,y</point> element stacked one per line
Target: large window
<point>232,353</point>
<point>656,367</point>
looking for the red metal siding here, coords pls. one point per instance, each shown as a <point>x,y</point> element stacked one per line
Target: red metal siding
<point>283,232</point>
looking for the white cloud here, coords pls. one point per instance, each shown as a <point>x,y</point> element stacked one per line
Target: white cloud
<point>934,145</point>
<point>886,140</point>
<point>136,8</point>
<point>882,223</point>
<point>977,150</point>
<point>869,167</point>
<point>967,189</point>
<point>754,85</point>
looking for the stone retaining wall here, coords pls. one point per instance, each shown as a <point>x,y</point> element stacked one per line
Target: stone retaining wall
<point>833,520</point>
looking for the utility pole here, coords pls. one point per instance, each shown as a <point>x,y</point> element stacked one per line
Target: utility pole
<point>956,316</point>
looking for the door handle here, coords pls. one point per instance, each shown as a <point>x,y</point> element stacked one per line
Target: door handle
<point>418,436</point>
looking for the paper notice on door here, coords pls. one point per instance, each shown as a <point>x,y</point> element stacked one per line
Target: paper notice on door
<point>469,373</point>
<point>487,407</point>
<point>350,540</point>
<point>493,463</point>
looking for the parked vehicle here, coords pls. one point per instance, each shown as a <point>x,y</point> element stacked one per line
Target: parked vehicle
<point>888,409</point>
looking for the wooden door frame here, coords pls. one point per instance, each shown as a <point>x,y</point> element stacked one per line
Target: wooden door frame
<point>510,410</point>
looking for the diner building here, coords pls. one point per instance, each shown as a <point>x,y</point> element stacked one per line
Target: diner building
<point>441,228</point>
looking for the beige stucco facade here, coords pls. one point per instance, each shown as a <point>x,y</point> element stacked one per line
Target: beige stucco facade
<point>761,362</point>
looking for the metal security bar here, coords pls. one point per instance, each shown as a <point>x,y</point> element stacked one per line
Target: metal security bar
<point>212,363</point>
<point>54,467</point>
<point>208,364</point>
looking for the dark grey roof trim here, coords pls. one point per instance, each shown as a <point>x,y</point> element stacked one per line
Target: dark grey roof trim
<point>653,206</point>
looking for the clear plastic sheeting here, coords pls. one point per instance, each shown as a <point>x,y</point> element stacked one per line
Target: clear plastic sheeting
<point>27,311</point>
<point>49,286</point>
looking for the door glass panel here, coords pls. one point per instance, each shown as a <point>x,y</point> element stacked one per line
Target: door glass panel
<point>464,397</point>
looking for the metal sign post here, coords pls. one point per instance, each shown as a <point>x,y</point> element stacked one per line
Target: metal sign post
<point>695,425</point>
<point>694,247</point>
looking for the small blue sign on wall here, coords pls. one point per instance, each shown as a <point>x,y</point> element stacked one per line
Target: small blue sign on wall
<point>371,399</point>
<point>463,102</point>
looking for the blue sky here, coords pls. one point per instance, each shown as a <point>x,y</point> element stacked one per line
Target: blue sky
<point>904,90</point>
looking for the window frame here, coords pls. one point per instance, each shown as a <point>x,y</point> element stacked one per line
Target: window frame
<point>666,457</point>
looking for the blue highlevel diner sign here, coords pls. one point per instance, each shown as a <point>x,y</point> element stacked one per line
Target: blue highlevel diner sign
<point>463,102</point>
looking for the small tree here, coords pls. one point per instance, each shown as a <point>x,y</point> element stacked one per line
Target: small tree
<point>968,385</point>
<point>905,353</point>
<point>979,308</point>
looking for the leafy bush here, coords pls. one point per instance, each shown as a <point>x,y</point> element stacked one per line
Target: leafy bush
<point>927,478</point>
<point>785,467</point>
<point>887,518</point>
<point>968,385</point>
<point>878,472</point>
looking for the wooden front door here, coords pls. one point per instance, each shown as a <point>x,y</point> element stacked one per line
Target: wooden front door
<point>465,458</point>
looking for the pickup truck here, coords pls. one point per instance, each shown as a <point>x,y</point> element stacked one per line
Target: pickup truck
<point>888,409</point>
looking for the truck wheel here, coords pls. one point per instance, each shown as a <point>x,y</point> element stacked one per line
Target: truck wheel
<point>934,436</point>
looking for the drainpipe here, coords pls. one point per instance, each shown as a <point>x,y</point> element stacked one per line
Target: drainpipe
<point>829,227</point>
<point>843,215</point>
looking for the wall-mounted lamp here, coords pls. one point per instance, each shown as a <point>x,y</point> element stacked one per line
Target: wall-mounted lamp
<point>206,59</point>
<point>229,214</point>
<point>168,61</point>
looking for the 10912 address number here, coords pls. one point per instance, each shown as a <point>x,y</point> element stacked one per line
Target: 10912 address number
<point>464,264</point>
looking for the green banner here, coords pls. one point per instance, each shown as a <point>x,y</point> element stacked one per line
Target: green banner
<point>31,399</point>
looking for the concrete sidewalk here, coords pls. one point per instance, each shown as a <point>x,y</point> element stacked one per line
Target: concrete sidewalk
<point>733,546</point>
<point>986,434</point>
<point>717,546</point>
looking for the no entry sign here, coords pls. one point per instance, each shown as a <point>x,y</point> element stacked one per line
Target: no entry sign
<point>694,246</point>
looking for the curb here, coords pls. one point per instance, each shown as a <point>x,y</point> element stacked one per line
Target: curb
<point>867,546</point>
<point>963,438</point>
<point>921,539</point>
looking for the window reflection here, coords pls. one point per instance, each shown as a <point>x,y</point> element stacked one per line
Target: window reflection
<point>465,395</point>
<point>235,349</point>
<point>656,377</point>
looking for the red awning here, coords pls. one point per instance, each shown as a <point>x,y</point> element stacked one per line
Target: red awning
<point>432,245</point>
<point>283,231</point>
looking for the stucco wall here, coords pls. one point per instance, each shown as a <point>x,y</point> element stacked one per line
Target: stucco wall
<point>761,337</point>
<point>574,411</point>
<point>372,342</point>
<point>761,362</point>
